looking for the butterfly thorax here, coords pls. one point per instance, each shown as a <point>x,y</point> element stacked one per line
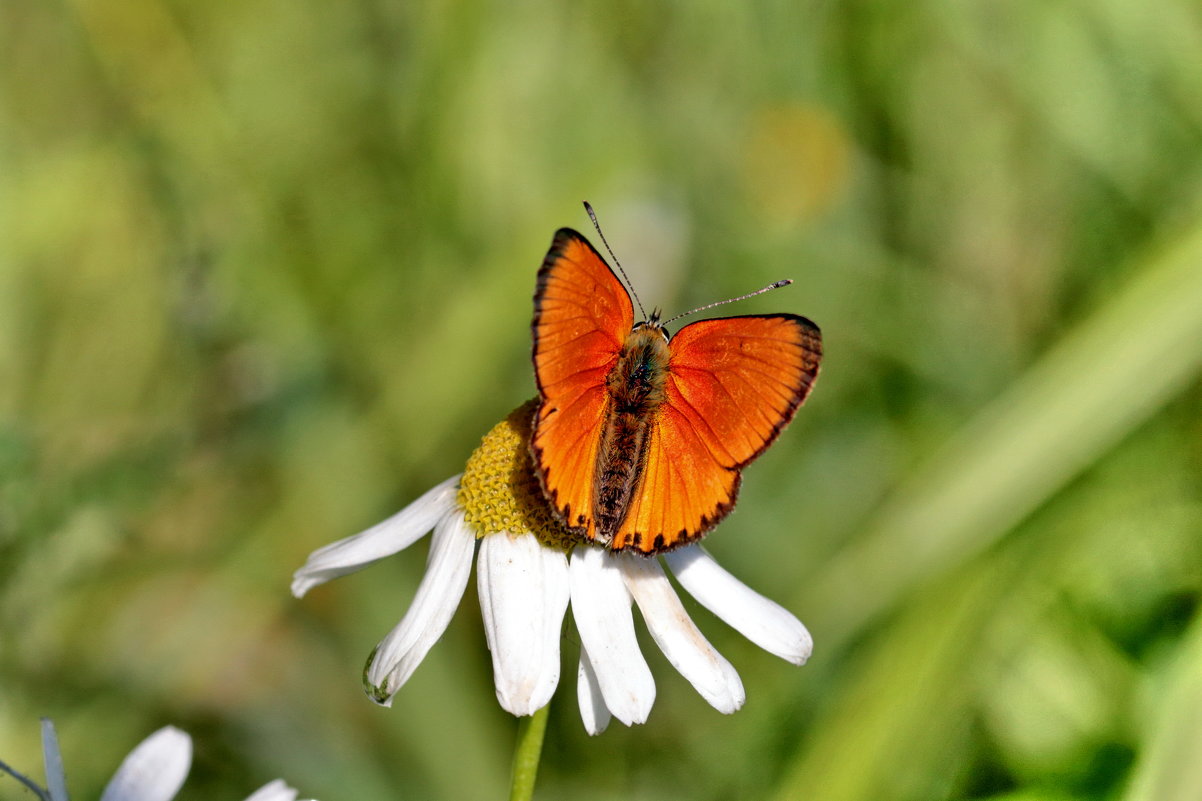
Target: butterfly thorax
<point>635,388</point>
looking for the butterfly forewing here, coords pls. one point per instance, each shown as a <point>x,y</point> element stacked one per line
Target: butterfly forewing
<point>582,315</point>
<point>740,379</point>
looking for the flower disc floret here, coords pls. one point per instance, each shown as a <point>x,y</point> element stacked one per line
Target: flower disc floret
<point>499,491</point>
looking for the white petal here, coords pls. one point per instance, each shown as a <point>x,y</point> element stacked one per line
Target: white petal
<point>523,596</point>
<point>155,770</point>
<point>383,539</point>
<point>601,607</point>
<point>434,604</point>
<point>273,791</point>
<point>593,710</point>
<point>766,623</point>
<point>56,777</point>
<point>678,637</point>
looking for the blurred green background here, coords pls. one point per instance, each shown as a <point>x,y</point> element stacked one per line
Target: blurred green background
<point>265,276</point>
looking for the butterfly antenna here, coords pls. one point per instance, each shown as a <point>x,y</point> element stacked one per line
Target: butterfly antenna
<point>629,285</point>
<point>769,288</point>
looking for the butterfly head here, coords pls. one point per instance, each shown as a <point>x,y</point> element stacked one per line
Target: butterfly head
<point>652,324</point>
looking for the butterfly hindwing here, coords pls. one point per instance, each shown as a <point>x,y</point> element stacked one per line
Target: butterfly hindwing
<point>683,490</point>
<point>733,384</point>
<point>582,315</point>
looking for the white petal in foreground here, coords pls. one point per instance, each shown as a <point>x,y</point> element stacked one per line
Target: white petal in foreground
<point>766,623</point>
<point>434,604</point>
<point>273,791</point>
<point>52,757</point>
<point>678,637</point>
<point>593,710</point>
<point>523,596</point>
<point>601,608</point>
<point>155,770</point>
<point>383,539</point>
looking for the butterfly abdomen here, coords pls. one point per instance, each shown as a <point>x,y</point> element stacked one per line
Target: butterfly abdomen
<point>635,388</point>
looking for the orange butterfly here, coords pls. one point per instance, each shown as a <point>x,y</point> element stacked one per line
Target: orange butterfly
<point>640,437</point>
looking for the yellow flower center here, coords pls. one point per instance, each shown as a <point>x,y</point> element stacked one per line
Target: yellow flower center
<point>499,491</point>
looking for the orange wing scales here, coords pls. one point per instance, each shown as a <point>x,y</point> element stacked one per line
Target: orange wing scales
<point>569,486</point>
<point>684,492</point>
<point>746,377</point>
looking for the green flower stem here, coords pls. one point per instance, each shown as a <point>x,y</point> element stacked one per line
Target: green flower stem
<point>526,755</point>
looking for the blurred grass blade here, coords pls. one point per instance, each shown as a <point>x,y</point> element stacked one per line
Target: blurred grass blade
<point>1101,381</point>
<point>1169,768</point>
<point>905,708</point>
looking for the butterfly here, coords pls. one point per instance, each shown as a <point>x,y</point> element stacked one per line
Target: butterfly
<point>640,436</point>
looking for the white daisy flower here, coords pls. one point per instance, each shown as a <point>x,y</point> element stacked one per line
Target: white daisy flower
<point>154,771</point>
<point>275,790</point>
<point>528,569</point>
